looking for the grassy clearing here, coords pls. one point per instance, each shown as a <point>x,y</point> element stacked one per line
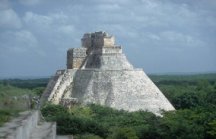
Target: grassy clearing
<point>14,99</point>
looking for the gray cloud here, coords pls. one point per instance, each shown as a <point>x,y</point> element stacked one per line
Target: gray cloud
<point>21,41</point>
<point>9,18</point>
<point>161,36</point>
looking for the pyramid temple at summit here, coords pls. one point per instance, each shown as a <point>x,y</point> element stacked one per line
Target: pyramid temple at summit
<point>99,72</point>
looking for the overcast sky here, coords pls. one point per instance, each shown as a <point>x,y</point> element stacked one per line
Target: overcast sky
<point>160,36</point>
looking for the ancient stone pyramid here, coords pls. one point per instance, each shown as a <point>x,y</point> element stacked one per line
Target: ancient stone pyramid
<point>99,72</point>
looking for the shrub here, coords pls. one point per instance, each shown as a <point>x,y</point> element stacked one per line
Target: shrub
<point>51,111</point>
<point>38,90</point>
<point>124,133</point>
<point>67,124</point>
<point>87,136</point>
<point>70,123</point>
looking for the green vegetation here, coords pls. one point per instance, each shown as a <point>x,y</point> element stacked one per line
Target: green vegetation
<point>193,96</point>
<point>195,117</point>
<point>6,114</point>
<point>16,95</point>
<point>94,120</point>
<point>189,77</point>
<point>26,83</point>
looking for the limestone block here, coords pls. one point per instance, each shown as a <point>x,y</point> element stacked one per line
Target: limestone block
<point>112,50</point>
<point>109,41</point>
<point>75,57</point>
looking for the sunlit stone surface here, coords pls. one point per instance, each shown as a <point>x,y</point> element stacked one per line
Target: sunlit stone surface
<point>99,72</point>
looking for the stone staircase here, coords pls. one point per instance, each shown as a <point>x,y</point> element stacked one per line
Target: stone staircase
<point>59,89</point>
<point>57,86</point>
<point>61,86</point>
<point>52,85</point>
<point>28,126</point>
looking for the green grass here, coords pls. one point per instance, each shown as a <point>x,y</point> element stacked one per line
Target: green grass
<point>8,91</point>
<point>14,100</point>
<point>7,114</point>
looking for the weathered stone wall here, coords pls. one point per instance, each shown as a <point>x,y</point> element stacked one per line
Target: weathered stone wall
<point>102,41</point>
<point>117,61</point>
<point>116,49</point>
<point>75,57</point>
<point>97,40</point>
<point>86,41</point>
<point>26,126</point>
<point>109,41</point>
<point>130,90</point>
<point>70,59</point>
<point>77,62</point>
<point>107,50</point>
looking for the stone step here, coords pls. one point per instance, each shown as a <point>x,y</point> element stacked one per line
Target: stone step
<point>45,130</point>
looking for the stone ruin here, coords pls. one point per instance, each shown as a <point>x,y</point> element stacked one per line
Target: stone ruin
<point>100,73</point>
<point>28,125</point>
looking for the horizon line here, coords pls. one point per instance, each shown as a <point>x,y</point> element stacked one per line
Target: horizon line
<point>149,74</point>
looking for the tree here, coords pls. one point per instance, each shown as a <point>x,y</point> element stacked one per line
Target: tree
<point>182,124</point>
<point>124,133</point>
<point>212,129</point>
<point>187,100</point>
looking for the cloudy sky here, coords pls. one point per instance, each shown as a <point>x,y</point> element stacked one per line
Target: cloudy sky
<point>160,36</point>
